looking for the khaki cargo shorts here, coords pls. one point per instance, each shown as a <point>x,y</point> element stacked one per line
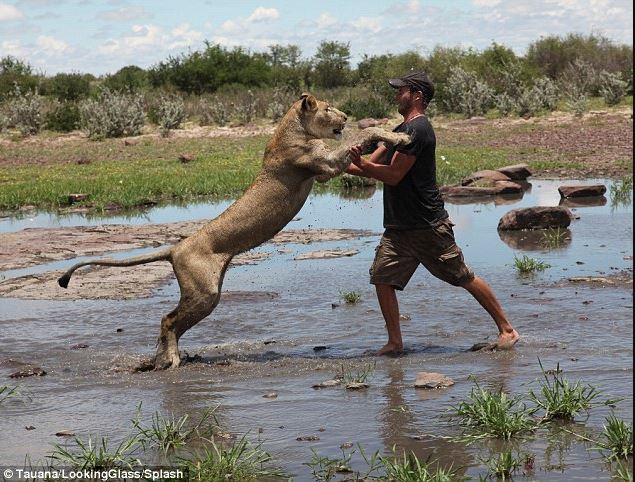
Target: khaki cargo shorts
<point>400,252</point>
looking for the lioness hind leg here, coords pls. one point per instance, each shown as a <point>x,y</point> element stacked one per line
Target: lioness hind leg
<point>200,284</point>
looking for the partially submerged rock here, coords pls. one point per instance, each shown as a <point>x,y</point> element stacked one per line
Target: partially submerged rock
<point>484,175</point>
<point>357,386</point>
<point>541,217</point>
<point>496,188</point>
<point>431,380</point>
<point>28,372</point>
<point>327,254</point>
<point>582,190</point>
<point>516,172</point>
<point>327,384</point>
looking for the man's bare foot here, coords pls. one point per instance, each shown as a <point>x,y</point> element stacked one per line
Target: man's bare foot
<point>390,349</point>
<point>506,341</point>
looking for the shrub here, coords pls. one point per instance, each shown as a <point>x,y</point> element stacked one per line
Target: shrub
<point>547,91</point>
<point>25,111</point>
<point>612,88</point>
<point>466,94</point>
<point>528,103</point>
<point>170,113</point>
<point>214,111</point>
<point>64,117</point>
<point>281,99</point>
<point>364,103</point>
<point>68,86</point>
<point>112,115</point>
<point>505,104</point>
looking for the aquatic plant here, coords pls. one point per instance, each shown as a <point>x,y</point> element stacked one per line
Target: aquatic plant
<point>623,473</point>
<point>409,468</point>
<point>97,455</point>
<point>529,265</point>
<point>168,432</point>
<point>621,192</point>
<point>7,392</point>
<point>494,414</point>
<point>561,399</point>
<point>618,438</point>
<point>350,297</point>
<point>503,466</point>
<point>241,461</point>
<point>553,237</point>
<point>357,375</point>
<point>325,469</point>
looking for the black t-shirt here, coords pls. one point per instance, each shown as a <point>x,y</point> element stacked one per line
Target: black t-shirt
<point>415,202</point>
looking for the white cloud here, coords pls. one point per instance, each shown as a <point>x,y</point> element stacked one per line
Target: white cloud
<point>52,46</point>
<point>9,12</point>
<point>123,14</point>
<point>262,14</point>
<point>184,36</point>
<point>369,24</point>
<point>325,20</point>
<point>12,48</point>
<point>486,3</point>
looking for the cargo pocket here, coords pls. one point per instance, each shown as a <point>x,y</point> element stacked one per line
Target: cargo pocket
<point>450,254</point>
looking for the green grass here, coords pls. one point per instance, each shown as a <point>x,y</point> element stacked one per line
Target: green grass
<point>7,392</point>
<point>356,374</point>
<point>618,438</point>
<point>529,265</point>
<point>622,472</point>
<point>168,432</point>
<point>350,297</point>
<point>242,461</point>
<point>408,468</point>
<point>504,466</point>
<point>494,414</point>
<point>560,399</point>
<point>621,192</point>
<point>325,469</point>
<point>96,455</point>
<point>553,237</point>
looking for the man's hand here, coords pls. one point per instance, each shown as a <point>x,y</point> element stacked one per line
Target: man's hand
<point>355,155</point>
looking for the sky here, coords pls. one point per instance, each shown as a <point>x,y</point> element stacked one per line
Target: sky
<point>102,36</point>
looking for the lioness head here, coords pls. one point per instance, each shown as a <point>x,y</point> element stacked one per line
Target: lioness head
<point>319,119</point>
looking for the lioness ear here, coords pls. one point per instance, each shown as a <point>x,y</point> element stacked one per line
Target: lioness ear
<point>308,102</point>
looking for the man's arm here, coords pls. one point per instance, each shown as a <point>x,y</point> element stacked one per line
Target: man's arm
<point>390,174</point>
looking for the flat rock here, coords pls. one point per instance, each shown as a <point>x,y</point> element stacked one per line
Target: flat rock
<point>486,174</point>
<point>328,383</point>
<point>499,187</point>
<point>431,380</point>
<point>516,172</point>
<point>536,218</point>
<point>28,372</point>
<point>327,254</point>
<point>357,386</point>
<point>582,190</point>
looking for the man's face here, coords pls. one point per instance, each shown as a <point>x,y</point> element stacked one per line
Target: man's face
<point>405,100</point>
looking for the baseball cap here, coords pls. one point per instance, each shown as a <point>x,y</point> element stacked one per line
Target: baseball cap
<point>417,81</point>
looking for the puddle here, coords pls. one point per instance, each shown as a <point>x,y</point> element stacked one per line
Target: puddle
<point>263,338</point>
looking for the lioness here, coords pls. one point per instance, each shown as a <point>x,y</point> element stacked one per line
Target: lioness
<point>294,158</point>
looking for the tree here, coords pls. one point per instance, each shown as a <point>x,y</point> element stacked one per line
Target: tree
<point>332,64</point>
<point>14,72</point>
<point>130,78</point>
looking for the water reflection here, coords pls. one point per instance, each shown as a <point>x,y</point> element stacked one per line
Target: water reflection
<point>583,202</point>
<point>498,200</point>
<point>535,239</point>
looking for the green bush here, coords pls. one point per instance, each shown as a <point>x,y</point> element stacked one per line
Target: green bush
<point>170,113</point>
<point>25,111</point>
<point>16,73</point>
<point>112,114</point>
<point>67,86</point>
<point>467,94</point>
<point>612,88</point>
<point>363,103</point>
<point>64,117</point>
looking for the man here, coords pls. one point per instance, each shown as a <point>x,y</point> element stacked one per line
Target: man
<point>417,227</point>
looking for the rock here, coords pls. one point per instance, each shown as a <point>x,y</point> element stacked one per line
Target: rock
<point>79,346</point>
<point>536,218</point>
<point>582,191</point>
<point>65,433</point>
<point>185,158</point>
<point>487,175</point>
<point>348,180</point>
<point>357,386</point>
<point>75,198</point>
<point>130,142</point>
<point>28,372</point>
<point>366,123</point>
<point>590,279</point>
<point>308,438</point>
<point>431,380</point>
<point>516,172</point>
<point>484,346</point>
<point>320,348</point>
<point>327,254</point>
<point>327,384</point>
<point>29,427</point>
<point>498,187</point>
<point>270,395</point>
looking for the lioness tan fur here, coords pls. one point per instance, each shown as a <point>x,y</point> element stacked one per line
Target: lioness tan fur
<point>293,159</point>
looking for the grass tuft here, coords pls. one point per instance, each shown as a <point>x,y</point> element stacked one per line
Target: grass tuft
<point>350,297</point>
<point>97,455</point>
<point>529,265</point>
<point>553,237</point>
<point>503,466</point>
<point>409,468</point>
<point>494,414</point>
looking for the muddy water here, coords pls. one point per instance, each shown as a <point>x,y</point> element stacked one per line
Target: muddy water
<point>266,341</point>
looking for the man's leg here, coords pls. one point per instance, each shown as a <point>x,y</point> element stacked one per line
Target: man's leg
<point>482,292</point>
<point>390,309</point>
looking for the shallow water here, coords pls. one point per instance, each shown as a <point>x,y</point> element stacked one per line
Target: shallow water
<point>267,343</point>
